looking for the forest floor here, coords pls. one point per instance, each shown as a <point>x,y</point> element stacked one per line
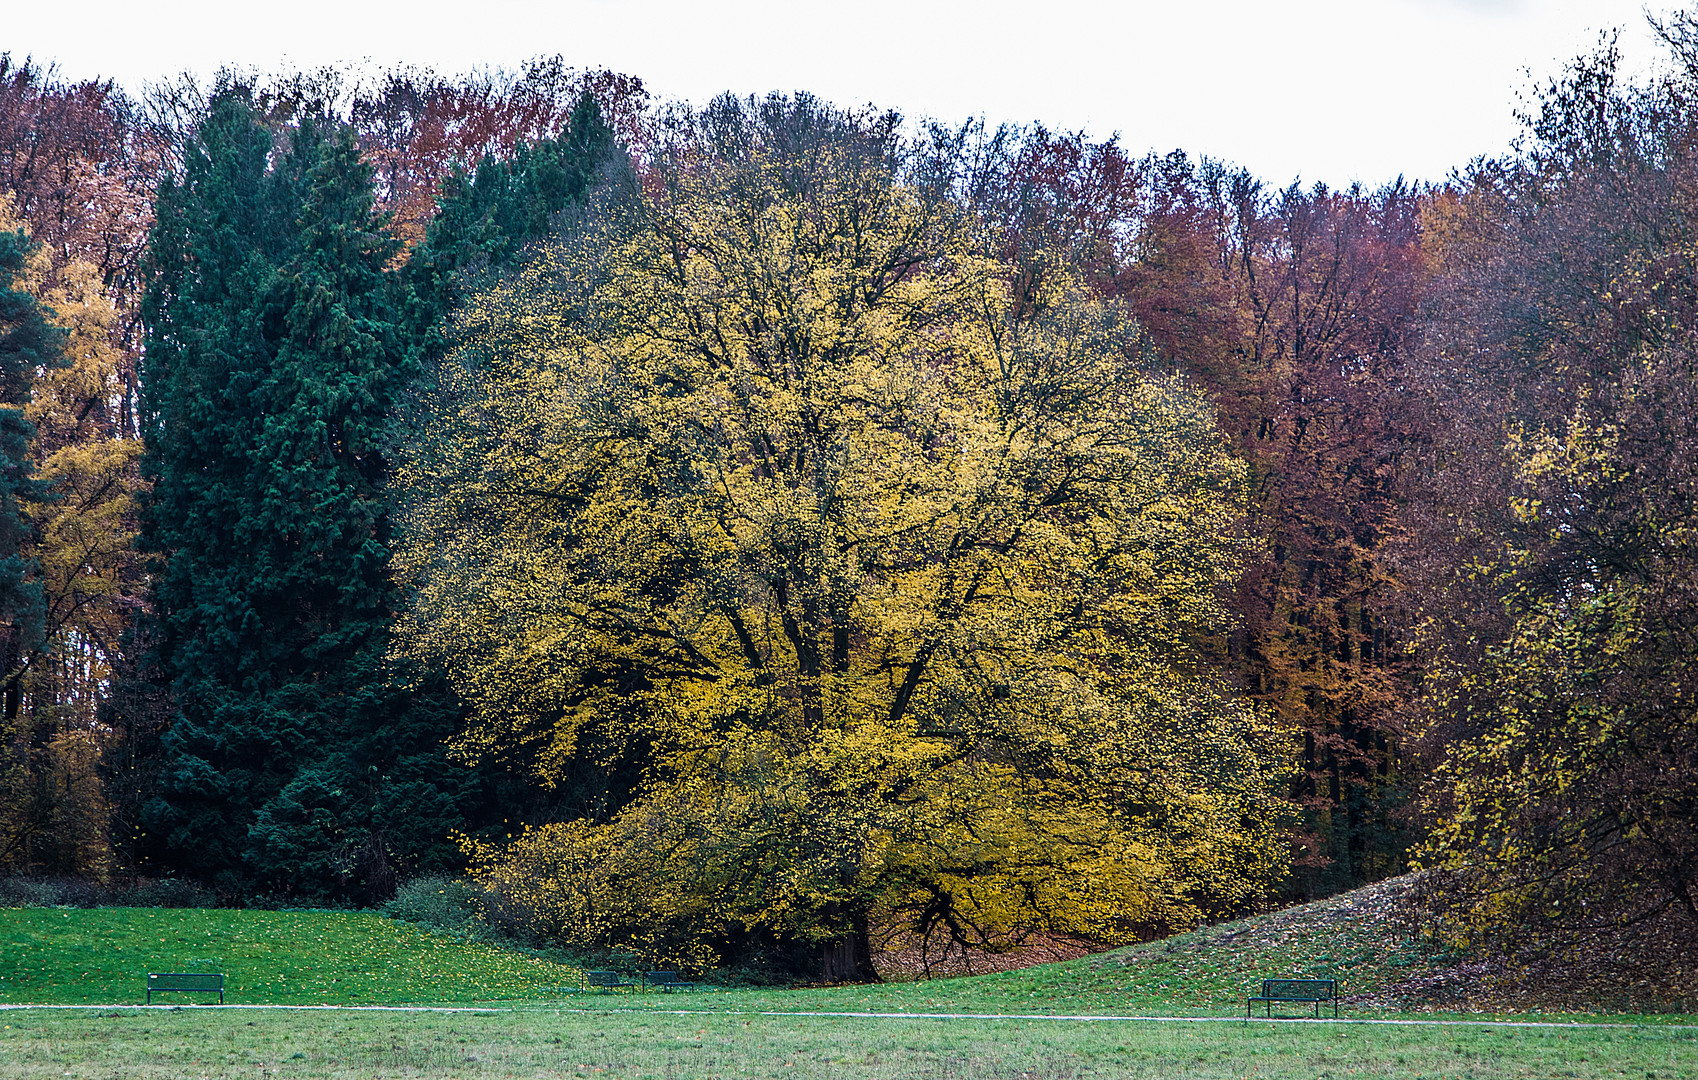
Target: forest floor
<point>1015,1024</point>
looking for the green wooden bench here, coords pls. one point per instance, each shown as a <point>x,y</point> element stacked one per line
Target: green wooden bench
<point>667,981</point>
<point>1299,991</point>
<point>184,982</point>
<point>606,980</point>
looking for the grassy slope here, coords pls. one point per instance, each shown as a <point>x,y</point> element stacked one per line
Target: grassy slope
<point>61,955</point>
<point>1353,938</point>
<point>1360,938</point>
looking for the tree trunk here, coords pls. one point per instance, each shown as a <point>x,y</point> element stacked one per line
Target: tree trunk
<point>850,957</point>
<point>12,657</point>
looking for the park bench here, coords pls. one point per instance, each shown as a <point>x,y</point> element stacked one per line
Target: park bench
<point>667,981</point>
<point>1301,991</point>
<point>185,982</point>
<point>606,980</point>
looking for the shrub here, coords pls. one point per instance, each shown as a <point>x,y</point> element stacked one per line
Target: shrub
<point>441,903</point>
<point>21,891</point>
<point>164,893</point>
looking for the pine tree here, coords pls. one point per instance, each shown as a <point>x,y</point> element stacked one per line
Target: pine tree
<point>300,763</point>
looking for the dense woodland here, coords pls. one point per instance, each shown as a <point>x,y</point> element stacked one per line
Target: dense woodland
<point>766,532</point>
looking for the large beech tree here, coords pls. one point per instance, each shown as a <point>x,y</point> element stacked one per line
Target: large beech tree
<point>770,481</point>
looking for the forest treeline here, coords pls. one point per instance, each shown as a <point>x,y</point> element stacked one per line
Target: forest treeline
<point>752,533</point>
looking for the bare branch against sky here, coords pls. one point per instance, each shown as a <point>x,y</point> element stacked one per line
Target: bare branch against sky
<point>1329,90</point>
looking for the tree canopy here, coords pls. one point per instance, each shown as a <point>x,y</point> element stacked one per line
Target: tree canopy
<point>867,577</point>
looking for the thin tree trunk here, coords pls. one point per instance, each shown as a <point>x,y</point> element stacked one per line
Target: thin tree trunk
<point>13,660</point>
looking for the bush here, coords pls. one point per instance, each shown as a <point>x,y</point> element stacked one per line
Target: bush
<point>451,905</point>
<point>164,893</point>
<point>27,892</point>
<point>20,891</point>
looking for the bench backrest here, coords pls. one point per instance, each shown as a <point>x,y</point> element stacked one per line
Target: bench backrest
<point>1300,989</point>
<point>664,978</point>
<point>184,980</point>
<point>603,978</point>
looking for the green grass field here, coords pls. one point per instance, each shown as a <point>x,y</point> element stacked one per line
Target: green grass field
<point>98,958</point>
<point>552,1043</point>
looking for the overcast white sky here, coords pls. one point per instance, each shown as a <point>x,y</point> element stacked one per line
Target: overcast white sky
<point>1332,90</point>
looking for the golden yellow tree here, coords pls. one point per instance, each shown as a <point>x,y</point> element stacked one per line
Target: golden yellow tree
<point>765,486</point>
<point>56,812</point>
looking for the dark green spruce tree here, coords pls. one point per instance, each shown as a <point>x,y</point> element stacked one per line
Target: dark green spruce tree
<point>300,764</point>
<point>280,341</point>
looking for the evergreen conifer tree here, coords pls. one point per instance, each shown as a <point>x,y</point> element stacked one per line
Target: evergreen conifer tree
<point>279,340</point>
<point>299,764</point>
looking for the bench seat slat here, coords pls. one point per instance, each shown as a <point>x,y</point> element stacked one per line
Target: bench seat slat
<point>182,981</point>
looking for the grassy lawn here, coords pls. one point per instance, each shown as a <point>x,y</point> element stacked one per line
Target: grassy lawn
<point>548,1042</point>
<point>52,955</point>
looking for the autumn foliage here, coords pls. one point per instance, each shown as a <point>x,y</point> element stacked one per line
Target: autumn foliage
<point>878,560</point>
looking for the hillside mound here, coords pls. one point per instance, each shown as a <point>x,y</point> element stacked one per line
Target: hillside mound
<point>1371,940</point>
